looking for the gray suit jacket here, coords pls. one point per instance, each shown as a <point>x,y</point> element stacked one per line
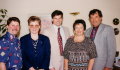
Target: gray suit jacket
<point>105,45</point>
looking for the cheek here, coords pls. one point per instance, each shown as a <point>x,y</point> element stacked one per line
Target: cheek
<point>61,20</point>
<point>54,21</point>
<point>30,29</point>
<point>77,30</point>
<point>11,28</point>
<point>90,20</point>
<point>18,28</point>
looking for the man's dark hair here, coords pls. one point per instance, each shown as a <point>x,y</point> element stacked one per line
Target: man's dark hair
<point>13,19</point>
<point>57,12</point>
<point>94,11</point>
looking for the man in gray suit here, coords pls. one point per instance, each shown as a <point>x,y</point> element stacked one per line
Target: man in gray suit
<point>104,38</point>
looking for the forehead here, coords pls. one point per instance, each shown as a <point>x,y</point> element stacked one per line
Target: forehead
<point>79,25</point>
<point>57,16</point>
<point>34,23</point>
<point>14,23</point>
<point>95,14</point>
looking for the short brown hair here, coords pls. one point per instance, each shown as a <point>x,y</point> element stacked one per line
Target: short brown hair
<point>13,19</point>
<point>34,18</point>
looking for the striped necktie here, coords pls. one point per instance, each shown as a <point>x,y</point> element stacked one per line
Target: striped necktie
<point>93,33</point>
<point>60,42</point>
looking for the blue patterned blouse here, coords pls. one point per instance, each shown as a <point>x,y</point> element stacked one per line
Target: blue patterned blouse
<point>10,52</point>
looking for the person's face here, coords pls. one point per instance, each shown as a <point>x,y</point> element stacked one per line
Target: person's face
<point>34,27</point>
<point>13,27</point>
<point>79,30</point>
<point>95,19</point>
<point>57,20</point>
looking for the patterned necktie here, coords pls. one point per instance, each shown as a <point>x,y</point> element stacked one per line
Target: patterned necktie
<point>60,42</point>
<point>93,33</point>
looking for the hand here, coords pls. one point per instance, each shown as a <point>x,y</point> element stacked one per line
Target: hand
<point>52,68</point>
<point>2,66</point>
<point>65,68</point>
<point>31,68</point>
<point>106,68</point>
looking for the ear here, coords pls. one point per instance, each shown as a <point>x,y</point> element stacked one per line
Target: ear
<point>7,26</point>
<point>40,27</point>
<point>100,18</point>
<point>28,27</point>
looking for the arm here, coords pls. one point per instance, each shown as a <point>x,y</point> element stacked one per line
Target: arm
<point>92,54</point>
<point>90,65</point>
<point>47,48</point>
<point>106,68</point>
<point>66,55</point>
<point>65,64</point>
<point>111,45</point>
<point>31,68</point>
<point>2,66</point>
<point>26,63</point>
<point>4,54</point>
<point>46,33</point>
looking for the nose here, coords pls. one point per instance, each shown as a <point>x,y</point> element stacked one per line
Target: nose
<point>93,20</point>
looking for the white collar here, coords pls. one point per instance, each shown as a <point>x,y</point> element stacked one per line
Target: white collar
<point>56,27</point>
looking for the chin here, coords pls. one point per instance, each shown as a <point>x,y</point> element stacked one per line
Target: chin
<point>15,33</point>
<point>34,32</point>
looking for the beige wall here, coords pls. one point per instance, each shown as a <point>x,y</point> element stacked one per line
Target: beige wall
<point>23,8</point>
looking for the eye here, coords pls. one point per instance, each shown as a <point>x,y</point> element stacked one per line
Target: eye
<point>31,25</point>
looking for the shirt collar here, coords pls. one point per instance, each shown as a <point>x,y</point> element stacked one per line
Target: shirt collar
<point>11,36</point>
<point>56,27</point>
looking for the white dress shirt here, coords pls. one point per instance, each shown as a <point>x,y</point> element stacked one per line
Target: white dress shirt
<point>61,33</point>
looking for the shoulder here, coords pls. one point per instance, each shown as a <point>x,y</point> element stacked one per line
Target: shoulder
<point>24,37</point>
<point>70,40</point>
<point>66,31</point>
<point>4,38</point>
<point>4,41</point>
<point>107,29</point>
<point>87,39</point>
<point>65,28</point>
<point>41,36</point>
<point>106,26</point>
<point>88,30</point>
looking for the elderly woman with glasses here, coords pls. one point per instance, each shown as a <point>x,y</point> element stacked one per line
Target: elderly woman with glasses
<point>35,47</point>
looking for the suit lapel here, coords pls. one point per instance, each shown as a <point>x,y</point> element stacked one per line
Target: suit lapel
<point>89,32</point>
<point>30,44</point>
<point>53,33</point>
<point>100,29</point>
<point>66,33</point>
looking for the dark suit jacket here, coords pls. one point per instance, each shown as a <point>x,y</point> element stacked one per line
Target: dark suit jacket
<point>38,60</point>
